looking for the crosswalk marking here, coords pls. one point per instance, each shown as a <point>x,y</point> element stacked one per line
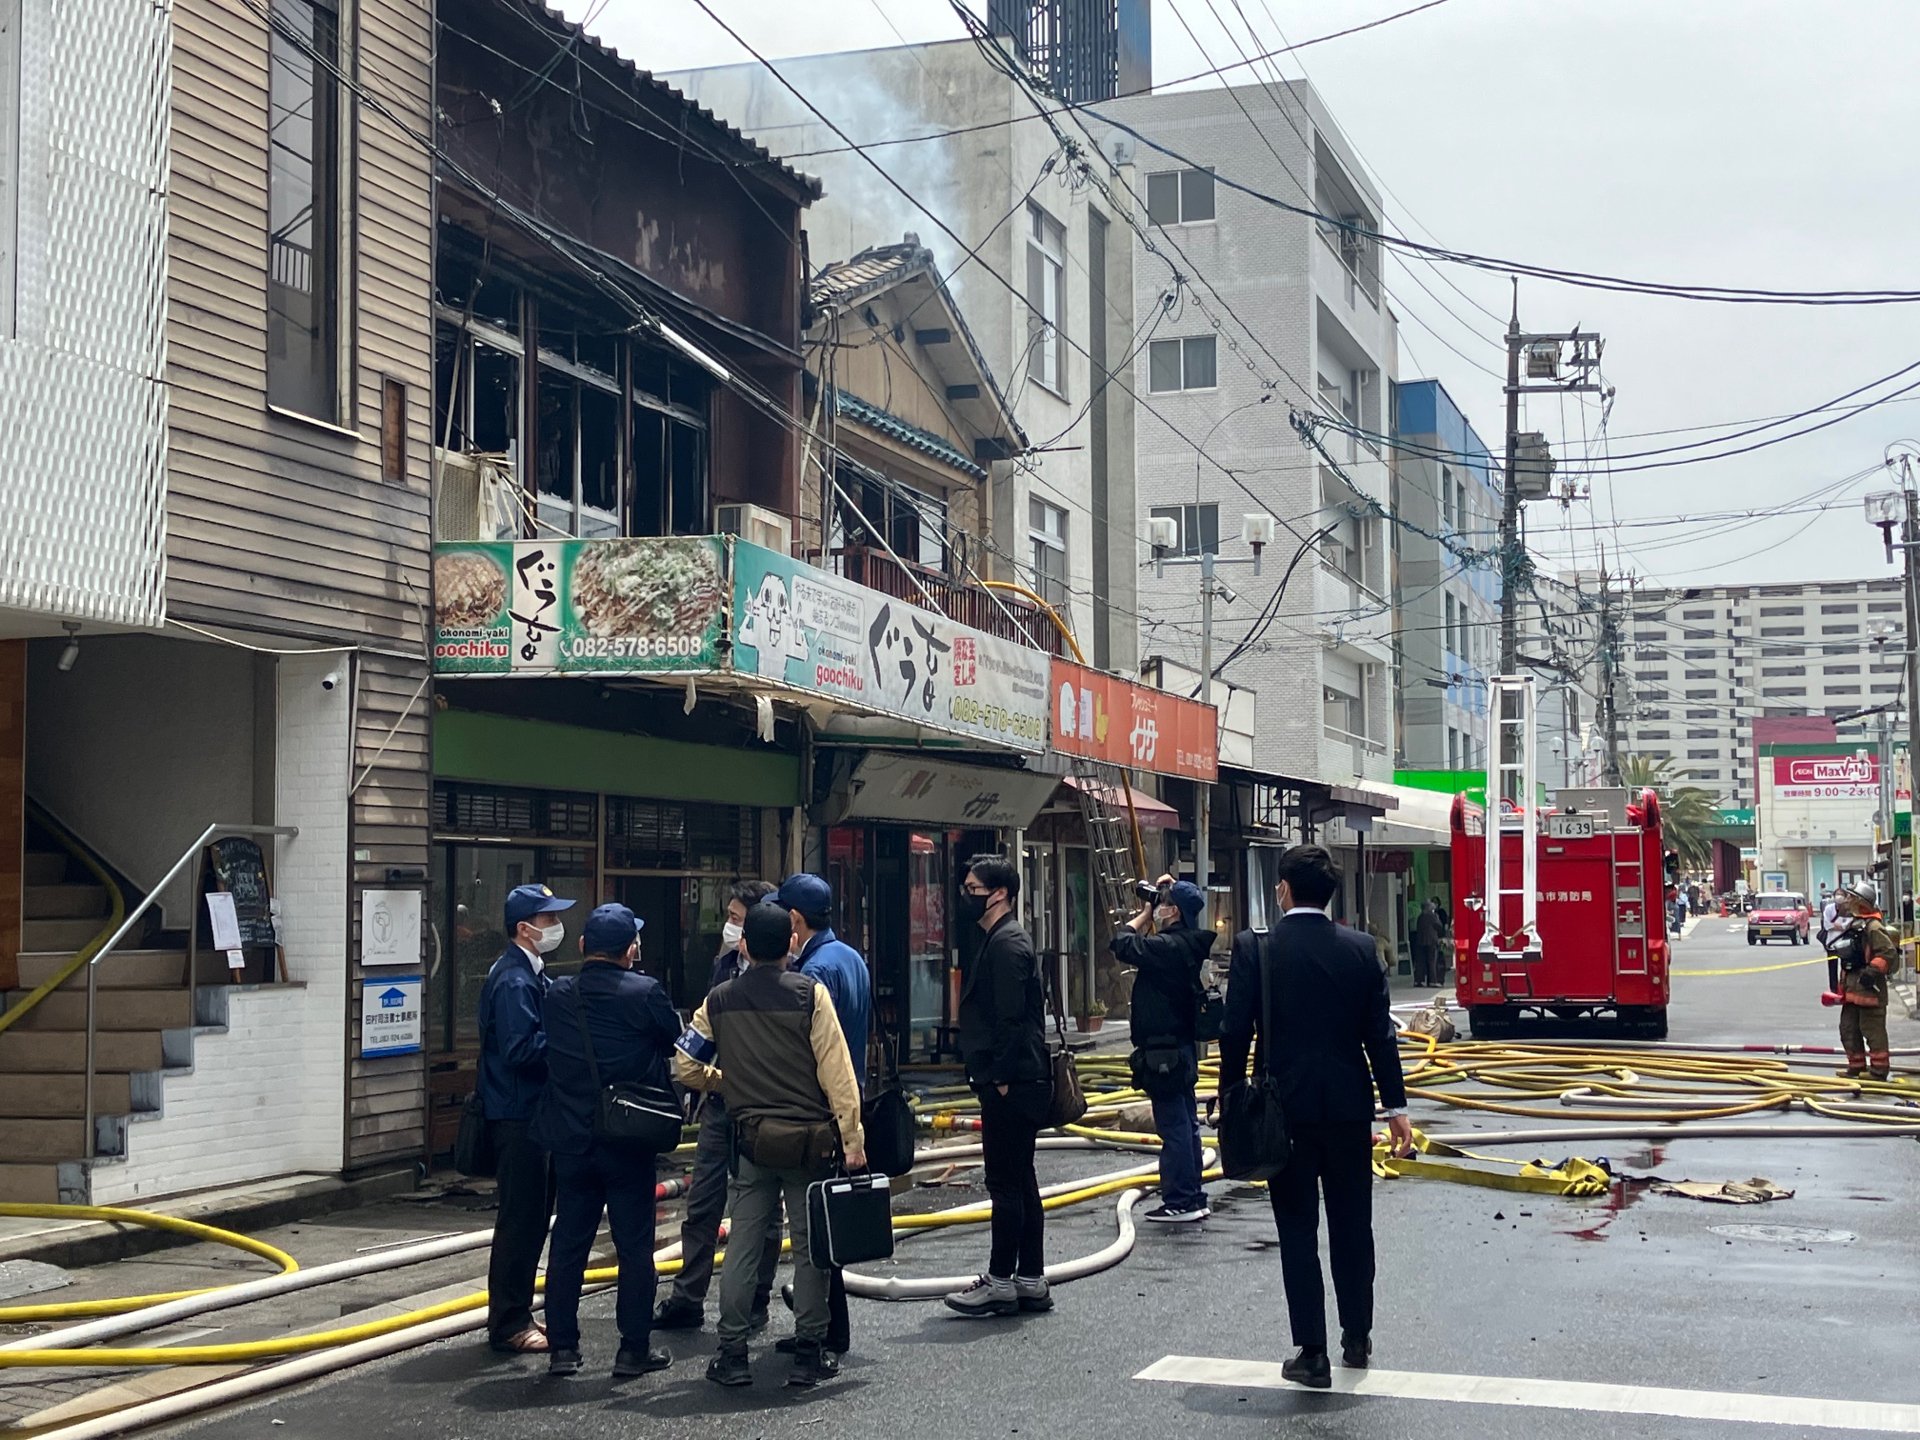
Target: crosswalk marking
<point>1804,1412</point>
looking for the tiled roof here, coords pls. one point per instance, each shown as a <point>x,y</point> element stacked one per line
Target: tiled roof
<point>738,141</point>
<point>868,272</point>
<point>891,425</point>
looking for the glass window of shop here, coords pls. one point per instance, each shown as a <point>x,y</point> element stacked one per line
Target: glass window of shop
<point>672,863</point>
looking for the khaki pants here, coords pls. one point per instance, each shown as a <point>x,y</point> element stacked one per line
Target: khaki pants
<point>1863,1034</point>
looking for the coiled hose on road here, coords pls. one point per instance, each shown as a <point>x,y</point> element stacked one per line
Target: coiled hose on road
<point>1619,1092</point>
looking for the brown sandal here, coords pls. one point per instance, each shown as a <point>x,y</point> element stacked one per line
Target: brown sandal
<point>530,1341</point>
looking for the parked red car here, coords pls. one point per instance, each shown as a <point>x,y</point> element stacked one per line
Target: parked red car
<point>1778,916</point>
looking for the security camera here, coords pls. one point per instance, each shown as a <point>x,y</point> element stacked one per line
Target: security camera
<point>330,679</point>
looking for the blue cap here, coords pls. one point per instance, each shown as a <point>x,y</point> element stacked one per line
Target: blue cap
<point>527,901</point>
<point>610,930</point>
<point>808,894</point>
<point>1187,896</point>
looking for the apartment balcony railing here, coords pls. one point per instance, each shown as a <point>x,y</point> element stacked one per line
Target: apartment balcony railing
<point>1006,616</point>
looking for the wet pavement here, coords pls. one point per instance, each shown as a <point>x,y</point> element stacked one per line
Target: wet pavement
<point>1479,1291</point>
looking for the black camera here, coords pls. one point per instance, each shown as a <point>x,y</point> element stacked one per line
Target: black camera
<point>1153,894</point>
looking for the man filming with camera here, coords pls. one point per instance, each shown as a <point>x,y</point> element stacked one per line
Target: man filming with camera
<point>1166,1008</point>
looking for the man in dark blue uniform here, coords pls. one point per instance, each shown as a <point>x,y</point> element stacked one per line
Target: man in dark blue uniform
<point>513,1069</point>
<point>632,1027</point>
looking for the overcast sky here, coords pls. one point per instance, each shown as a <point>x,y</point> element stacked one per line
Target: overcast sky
<point>1768,143</point>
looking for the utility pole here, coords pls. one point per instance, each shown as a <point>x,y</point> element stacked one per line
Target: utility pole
<point>1609,679</point>
<point>1529,464</point>
<point>1903,881</point>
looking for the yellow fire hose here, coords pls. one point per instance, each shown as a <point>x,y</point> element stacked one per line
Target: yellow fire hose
<point>1598,1083</point>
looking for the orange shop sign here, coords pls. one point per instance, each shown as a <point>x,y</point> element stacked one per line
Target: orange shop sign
<point>1104,717</point>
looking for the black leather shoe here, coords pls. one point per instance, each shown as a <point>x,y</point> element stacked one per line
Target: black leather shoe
<point>677,1314</point>
<point>562,1363</point>
<point>1355,1350</point>
<point>730,1367</point>
<point>811,1364</point>
<point>786,1295</point>
<point>632,1361</point>
<point>1311,1368</point>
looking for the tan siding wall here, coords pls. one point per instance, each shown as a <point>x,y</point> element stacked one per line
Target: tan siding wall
<point>285,527</point>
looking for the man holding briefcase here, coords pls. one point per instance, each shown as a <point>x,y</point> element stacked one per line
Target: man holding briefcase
<point>1323,1023</point>
<point>783,1067</point>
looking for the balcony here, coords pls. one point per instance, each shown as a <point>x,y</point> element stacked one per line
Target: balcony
<point>965,602</point>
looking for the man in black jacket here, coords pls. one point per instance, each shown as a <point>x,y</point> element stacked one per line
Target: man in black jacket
<point>1166,1007</point>
<point>685,1308</point>
<point>633,1028</point>
<point>1326,1024</point>
<point>1003,1043</point>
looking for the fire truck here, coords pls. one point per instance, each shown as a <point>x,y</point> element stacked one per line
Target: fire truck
<point>1566,914</point>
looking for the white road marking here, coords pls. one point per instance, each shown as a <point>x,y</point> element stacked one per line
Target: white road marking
<point>1807,1413</point>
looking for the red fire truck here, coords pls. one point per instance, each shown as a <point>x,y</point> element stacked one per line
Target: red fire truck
<point>1577,894</point>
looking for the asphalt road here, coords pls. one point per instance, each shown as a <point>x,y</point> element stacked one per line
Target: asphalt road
<point>1630,1289</point>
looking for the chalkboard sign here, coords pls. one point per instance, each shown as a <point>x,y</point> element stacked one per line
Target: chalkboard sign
<point>238,867</point>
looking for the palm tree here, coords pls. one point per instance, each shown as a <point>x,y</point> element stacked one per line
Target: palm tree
<point>1686,811</point>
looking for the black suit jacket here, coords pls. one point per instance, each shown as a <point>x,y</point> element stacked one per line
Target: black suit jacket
<point>1331,1023</point>
<point>1003,1021</point>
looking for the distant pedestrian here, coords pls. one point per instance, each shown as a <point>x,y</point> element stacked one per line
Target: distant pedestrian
<point>1003,1044</point>
<point>1331,1026</point>
<point>821,955</point>
<point>685,1307</point>
<point>1426,945</point>
<point>631,1028</point>
<point>1165,1060</point>
<point>782,1065</point>
<point>513,1069</point>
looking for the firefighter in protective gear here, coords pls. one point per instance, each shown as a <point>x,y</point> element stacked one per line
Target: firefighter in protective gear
<point>1867,955</point>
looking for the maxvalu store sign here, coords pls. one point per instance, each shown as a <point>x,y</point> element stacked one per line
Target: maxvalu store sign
<point>670,606</point>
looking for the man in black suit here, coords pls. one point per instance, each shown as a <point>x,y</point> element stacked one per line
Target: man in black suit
<point>1329,1027</point>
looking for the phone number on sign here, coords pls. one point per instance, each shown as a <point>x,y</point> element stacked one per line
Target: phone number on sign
<point>994,718</point>
<point>631,647</point>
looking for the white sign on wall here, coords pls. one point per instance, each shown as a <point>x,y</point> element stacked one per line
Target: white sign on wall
<point>390,927</point>
<point>393,1017</point>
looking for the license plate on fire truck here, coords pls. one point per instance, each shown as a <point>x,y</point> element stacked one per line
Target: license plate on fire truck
<point>1570,827</point>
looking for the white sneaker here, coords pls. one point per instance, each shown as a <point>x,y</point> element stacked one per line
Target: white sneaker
<point>988,1295</point>
<point>1167,1215</point>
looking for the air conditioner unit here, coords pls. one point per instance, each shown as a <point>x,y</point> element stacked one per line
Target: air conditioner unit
<point>757,525</point>
<point>469,500</point>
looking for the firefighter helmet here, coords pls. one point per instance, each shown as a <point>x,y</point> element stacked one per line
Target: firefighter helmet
<point>1865,891</point>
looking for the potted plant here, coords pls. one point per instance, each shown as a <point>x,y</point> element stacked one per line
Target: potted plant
<point>1096,1015</point>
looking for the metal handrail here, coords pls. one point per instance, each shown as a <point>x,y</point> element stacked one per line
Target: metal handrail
<point>117,909</point>
<point>193,931</point>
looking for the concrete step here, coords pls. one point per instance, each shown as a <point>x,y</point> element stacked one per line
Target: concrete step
<point>115,1009</point>
<point>44,1052</point>
<point>43,1139</point>
<point>122,970</point>
<point>28,1184</point>
<point>67,935</point>
<point>63,1097</point>
<point>44,867</point>
<point>67,902</point>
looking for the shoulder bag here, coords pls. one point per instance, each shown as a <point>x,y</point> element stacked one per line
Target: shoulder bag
<point>646,1117</point>
<point>1067,1103</point>
<point>1253,1121</point>
<point>889,1123</point>
<point>473,1141</point>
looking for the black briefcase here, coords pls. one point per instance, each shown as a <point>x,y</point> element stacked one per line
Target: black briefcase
<point>849,1221</point>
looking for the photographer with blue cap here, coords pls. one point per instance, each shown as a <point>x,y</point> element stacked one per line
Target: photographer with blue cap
<point>513,1070</point>
<point>610,1025</point>
<point>1166,1009</point>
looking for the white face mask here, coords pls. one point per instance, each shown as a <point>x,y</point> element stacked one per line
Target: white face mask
<point>551,937</point>
<point>1166,915</point>
<point>730,935</point>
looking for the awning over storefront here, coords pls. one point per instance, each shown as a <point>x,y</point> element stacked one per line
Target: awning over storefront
<point>890,785</point>
<point>1423,819</point>
<point>1152,813</point>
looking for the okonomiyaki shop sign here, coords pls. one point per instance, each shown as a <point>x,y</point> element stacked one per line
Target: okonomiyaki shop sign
<point>545,607</point>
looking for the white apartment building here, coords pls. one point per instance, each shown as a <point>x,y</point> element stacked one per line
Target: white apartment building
<point>1036,255</point>
<point>1278,311</point>
<point>1705,661</point>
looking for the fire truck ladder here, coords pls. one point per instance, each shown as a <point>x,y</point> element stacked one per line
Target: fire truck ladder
<point>1510,781</point>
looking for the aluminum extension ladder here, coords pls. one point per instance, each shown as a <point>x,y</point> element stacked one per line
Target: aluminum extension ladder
<point>1512,804</point>
<point>1115,853</point>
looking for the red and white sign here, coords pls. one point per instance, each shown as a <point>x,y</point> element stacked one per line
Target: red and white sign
<point>1826,777</point>
<point>1104,717</point>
